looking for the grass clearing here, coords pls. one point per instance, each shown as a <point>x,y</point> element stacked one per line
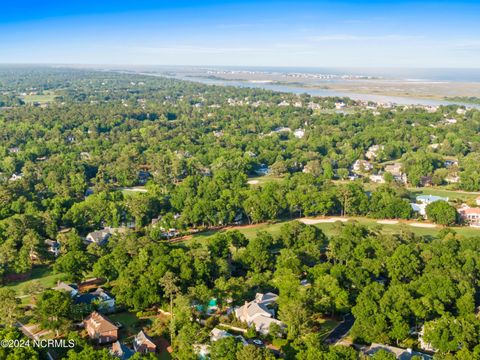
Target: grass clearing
<point>40,276</point>
<point>331,228</point>
<point>452,195</point>
<point>44,98</point>
<point>261,180</point>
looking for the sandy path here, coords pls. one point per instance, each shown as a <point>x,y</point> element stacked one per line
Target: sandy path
<point>423,225</point>
<point>387,222</point>
<point>324,220</point>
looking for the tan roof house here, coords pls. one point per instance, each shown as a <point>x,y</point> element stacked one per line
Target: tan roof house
<point>100,328</point>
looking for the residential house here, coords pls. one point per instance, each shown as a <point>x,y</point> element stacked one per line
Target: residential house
<point>423,344</point>
<point>121,351</point>
<point>53,247</point>
<point>452,179</point>
<point>72,289</point>
<point>258,313</point>
<point>143,343</point>
<point>396,170</point>
<point>470,215</point>
<point>428,199</point>
<point>262,170</point>
<point>339,105</point>
<point>419,208</point>
<point>450,163</point>
<point>423,200</point>
<point>101,298</point>
<point>377,178</point>
<point>16,177</point>
<point>217,334</point>
<point>373,150</point>
<point>99,237</point>
<point>362,166</point>
<point>100,328</point>
<point>299,133</point>
<point>426,181</point>
<point>401,354</point>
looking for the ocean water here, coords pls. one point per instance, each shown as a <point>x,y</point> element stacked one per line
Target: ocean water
<point>411,74</point>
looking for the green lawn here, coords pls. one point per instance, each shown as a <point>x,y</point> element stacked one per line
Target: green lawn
<point>131,324</point>
<point>130,191</point>
<point>326,326</point>
<point>441,191</point>
<point>260,180</point>
<point>331,229</point>
<point>46,97</point>
<point>42,275</point>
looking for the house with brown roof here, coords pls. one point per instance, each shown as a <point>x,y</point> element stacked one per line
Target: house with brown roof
<point>100,328</point>
<point>143,343</point>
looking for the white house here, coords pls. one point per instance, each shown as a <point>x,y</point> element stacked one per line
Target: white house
<point>217,334</point>
<point>377,178</point>
<point>428,199</point>
<point>373,150</point>
<point>299,133</point>
<point>362,166</point>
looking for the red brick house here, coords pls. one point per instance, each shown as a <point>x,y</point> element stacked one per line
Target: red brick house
<point>101,329</point>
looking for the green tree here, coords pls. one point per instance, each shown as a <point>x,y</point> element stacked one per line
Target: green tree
<point>442,213</point>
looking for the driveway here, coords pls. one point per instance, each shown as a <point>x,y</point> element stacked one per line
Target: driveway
<point>341,330</point>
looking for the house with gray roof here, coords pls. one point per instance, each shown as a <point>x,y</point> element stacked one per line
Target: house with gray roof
<point>121,351</point>
<point>257,313</point>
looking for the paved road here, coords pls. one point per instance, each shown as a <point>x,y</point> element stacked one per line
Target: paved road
<point>341,330</point>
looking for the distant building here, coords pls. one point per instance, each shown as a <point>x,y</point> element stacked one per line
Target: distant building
<point>100,328</point>
<point>362,166</point>
<point>419,208</point>
<point>422,201</point>
<point>373,150</point>
<point>53,247</point>
<point>470,215</point>
<point>401,354</point>
<point>100,237</point>
<point>16,177</point>
<point>428,199</point>
<point>377,178</point>
<point>299,133</point>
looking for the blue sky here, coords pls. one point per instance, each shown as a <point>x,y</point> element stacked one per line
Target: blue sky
<point>242,33</point>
